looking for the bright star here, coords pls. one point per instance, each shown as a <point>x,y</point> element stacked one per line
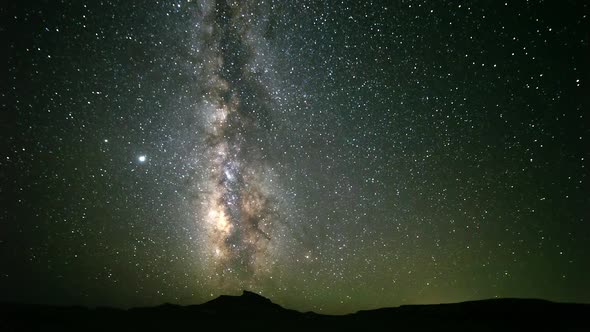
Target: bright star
<point>141,158</point>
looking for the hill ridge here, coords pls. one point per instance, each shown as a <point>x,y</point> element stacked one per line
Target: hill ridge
<point>251,309</point>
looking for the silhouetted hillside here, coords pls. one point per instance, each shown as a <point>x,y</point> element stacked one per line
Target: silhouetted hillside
<point>252,311</point>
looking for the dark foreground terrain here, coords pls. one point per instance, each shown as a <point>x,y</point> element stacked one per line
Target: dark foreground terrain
<point>253,312</point>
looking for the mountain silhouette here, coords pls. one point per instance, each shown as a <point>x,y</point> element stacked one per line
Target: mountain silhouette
<point>248,304</point>
<point>252,311</point>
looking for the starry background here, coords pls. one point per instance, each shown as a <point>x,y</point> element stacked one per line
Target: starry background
<point>420,152</point>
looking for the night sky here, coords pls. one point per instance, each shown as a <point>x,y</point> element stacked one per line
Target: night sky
<point>329,155</point>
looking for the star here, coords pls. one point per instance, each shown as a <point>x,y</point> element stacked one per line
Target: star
<point>142,158</point>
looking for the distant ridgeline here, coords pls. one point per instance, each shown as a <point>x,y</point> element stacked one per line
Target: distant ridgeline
<point>252,311</point>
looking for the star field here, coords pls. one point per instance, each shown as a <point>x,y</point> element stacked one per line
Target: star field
<point>331,156</point>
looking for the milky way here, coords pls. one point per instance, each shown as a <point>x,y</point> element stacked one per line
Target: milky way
<point>236,209</point>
